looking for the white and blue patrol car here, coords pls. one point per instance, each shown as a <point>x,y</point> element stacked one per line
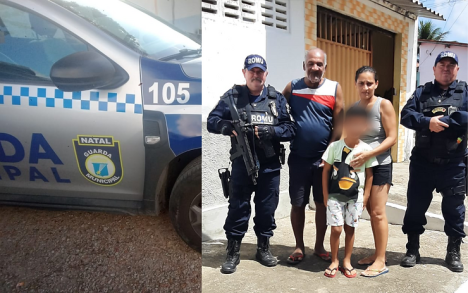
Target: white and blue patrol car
<point>100,108</point>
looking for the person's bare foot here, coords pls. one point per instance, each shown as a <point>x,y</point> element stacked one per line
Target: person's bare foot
<point>367,260</point>
<point>377,265</point>
<point>330,272</point>
<point>320,250</point>
<point>297,256</point>
<point>348,269</point>
<point>298,250</point>
<point>347,263</point>
<point>322,253</point>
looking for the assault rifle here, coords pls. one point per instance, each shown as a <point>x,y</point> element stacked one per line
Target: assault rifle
<point>242,146</point>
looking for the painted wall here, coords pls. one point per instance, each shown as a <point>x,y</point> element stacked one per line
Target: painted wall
<point>428,53</point>
<point>226,43</point>
<point>408,135</point>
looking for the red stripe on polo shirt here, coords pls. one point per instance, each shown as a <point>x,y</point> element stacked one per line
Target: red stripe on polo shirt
<point>325,100</point>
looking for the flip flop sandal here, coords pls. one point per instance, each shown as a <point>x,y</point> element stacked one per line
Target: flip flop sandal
<point>324,256</point>
<point>349,275</point>
<point>329,275</point>
<point>379,272</point>
<point>295,258</point>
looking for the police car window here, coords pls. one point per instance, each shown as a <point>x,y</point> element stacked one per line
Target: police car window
<point>30,45</point>
<point>148,36</point>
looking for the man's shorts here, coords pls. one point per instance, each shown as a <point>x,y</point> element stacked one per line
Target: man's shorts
<point>304,174</point>
<point>382,174</point>
<point>339,213</point>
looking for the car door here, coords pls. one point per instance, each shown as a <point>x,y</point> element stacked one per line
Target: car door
<point>60,146</point>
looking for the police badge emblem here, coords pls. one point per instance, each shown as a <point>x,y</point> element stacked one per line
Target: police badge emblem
<point>98,159</point>
<point>439,109</point>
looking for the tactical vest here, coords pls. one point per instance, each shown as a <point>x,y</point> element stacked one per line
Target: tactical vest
<point>344,180</point>
<point>263,112</point>
<point>448,141</point>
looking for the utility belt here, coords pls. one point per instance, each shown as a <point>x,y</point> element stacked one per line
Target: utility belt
<point>437,160</point>
<point>428,140</point>
<point>441,161</point>
<point>225,175</point>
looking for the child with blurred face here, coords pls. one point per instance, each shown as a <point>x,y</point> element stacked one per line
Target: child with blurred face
<point>345,188</point>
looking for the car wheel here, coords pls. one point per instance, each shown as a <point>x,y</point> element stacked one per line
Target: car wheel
<point>185,204</point>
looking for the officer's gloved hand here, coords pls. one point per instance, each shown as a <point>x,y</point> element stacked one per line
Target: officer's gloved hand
<point>250,132</point>
<point>265,132</point>
<point>225,127</point>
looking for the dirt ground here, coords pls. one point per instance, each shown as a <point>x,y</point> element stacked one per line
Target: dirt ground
<point>75,251</point>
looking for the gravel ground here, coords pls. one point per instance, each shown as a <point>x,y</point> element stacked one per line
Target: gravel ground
<point>76,251</point>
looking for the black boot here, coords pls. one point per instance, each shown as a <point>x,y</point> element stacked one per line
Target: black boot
<point>264,255</point>
<point>412,256</point>
<point>453,254</point>
<point>232,257</point>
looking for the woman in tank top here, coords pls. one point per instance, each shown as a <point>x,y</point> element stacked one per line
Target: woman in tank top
<point>382,135</point>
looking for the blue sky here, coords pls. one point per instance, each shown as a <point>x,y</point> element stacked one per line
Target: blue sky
<point>456,14</point>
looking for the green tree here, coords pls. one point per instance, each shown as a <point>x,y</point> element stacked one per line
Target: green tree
<point>427,31</point>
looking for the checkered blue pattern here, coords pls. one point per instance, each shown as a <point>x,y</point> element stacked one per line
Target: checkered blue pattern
<point>54,98</point>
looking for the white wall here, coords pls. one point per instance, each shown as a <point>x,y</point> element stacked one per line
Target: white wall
<point>412,58</point>
<point>226,43</point>
<point>428,53</point>
<point>183,14</point>
<point>285,49</point>
<point>410,84</point>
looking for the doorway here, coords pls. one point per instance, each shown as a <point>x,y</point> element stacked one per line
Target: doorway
<point>350,44</point>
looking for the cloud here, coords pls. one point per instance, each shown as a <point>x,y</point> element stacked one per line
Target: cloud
<point>455,24</point>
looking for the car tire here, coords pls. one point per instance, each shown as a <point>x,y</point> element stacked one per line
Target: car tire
<point>185,204</point>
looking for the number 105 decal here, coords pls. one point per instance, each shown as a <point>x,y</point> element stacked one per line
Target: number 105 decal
<point>169,94</point>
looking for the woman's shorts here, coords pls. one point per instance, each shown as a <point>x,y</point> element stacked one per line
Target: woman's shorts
<point>382,174</point>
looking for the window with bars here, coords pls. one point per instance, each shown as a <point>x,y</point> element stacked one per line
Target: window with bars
<point>272,13</point>
<point>340,29</point>
<point>275,13</point>
<point>210,6</point>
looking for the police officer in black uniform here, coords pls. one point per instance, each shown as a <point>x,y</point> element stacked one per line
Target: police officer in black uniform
<point>438,113</point>
<point>270,124</point>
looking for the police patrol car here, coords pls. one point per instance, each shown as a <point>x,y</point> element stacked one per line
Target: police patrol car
<point>100,108</point>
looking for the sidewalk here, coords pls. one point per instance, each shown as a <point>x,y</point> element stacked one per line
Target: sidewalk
<point>430,276</point>
<point>397,193</point>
